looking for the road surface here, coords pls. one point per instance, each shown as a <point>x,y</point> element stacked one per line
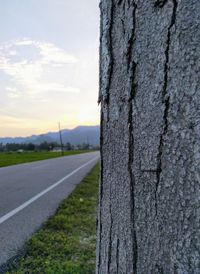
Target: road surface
<point>30,193</point>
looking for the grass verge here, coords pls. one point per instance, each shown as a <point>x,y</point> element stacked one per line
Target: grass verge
<point>14,158</point>
<point>66,243</point>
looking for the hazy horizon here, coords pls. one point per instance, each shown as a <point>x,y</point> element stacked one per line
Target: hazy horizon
<point>48,65</point>
<point>51,131</point>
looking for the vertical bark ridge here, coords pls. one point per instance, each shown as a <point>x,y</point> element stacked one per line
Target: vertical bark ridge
<point>110,69</point>
<point>106,71</point>
<point>131,67</point>
<point>165,99</point>
<point>104,95</point>
<point>105,80</point>
<point>99,224</point>
<point>110,239</point>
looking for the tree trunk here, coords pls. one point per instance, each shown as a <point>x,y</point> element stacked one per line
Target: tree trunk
<point>149,210</point>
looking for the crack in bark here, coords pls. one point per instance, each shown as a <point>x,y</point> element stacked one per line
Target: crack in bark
<point>160,3</point>
<point>122,21</point>
<point>132,181</point>
<point>110,241</point>
<point>131,65</point>
<point>131,41</point>
<point>117,256</point>
<point>119,2</point>
<point>166,101</point>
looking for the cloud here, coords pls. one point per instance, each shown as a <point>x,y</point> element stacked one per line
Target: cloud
<point>13,92</point>
<point>12,52</point>
<point>52,54</point>
<point>42,84</point>
<point>23,42</point>
<point>30,65</point>
<point>48,51</point>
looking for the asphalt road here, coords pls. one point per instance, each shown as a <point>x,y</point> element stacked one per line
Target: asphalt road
<point>30,193</point>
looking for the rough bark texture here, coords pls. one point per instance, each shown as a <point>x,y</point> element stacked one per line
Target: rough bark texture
<point>149,210</point>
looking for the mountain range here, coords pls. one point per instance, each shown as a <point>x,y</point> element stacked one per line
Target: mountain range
<point>78,135</point>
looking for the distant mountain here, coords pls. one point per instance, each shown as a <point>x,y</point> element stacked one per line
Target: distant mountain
<point>78,135</point>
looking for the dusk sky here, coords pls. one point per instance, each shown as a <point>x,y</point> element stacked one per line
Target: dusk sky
<point>48,65</point>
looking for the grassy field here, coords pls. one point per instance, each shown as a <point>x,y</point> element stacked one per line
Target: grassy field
<point>13,158</point>
<point>66,243</point>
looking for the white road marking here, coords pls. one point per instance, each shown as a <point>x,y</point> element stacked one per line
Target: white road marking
<point>36,197</point>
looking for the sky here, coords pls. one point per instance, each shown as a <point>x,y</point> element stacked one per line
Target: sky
<point>48,65</point>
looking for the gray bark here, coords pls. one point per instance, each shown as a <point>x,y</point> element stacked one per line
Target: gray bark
<point>149,210</point>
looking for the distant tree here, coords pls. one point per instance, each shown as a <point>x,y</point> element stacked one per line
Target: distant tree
<point>53,144</point>
<point>13,146</point>
<point>79,147</point>
<point>1,147</point>
<point>85,146</point>
<point>30,147</point>
<point>68,146</point>
<point>44,146</point>
<point>16,146</point>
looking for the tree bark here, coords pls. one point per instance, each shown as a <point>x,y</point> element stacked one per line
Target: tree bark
<point>149,210</point>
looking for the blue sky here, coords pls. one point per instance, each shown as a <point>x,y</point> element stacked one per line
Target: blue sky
<point>48,65</point>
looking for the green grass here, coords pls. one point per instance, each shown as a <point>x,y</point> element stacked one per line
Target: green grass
<point>13,158</point>
<point>66,243</point>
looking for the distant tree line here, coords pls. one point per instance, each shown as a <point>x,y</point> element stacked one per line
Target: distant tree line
<point>44,146</point>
